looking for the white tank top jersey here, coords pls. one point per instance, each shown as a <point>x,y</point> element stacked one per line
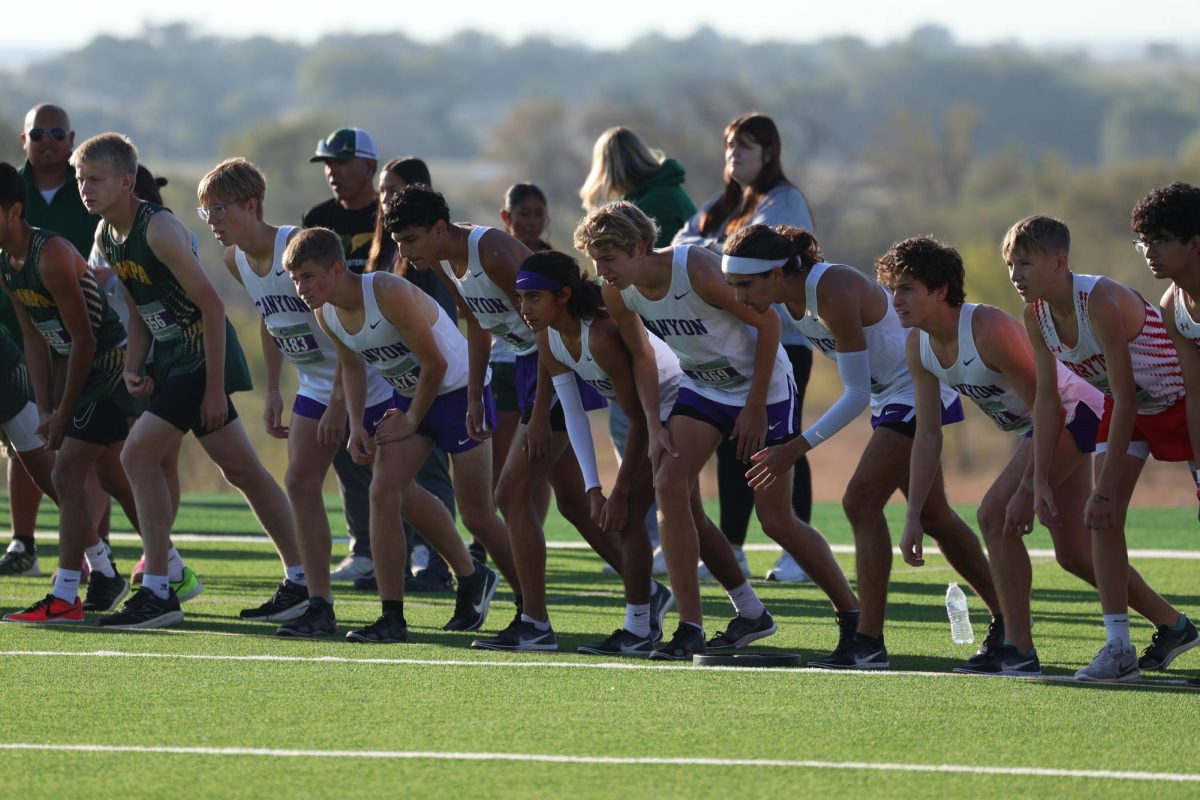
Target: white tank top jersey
<point>1156,372</point>
<point>292,325</point>
<point>991,391</point>
<point>1188,328</point>
<point>669,372</point>
<point>715,348</point>
<point>488,302</point>
<point>890,381</point>
<point>381,346</point>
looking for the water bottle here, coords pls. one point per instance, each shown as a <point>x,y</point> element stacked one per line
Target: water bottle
<point>960,617</point>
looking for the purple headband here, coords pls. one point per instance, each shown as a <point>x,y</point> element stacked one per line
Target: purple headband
<point>533,281</point>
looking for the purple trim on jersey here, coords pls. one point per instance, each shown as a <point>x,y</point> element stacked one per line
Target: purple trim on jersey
<point>783,417</point>
<point>1084,428</point>
<point>526,380</point>
<point>899,413</point>
<point>313,409</point>
<point>446,420</point>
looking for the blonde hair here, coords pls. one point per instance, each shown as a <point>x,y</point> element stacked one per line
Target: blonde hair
<point>1035,234</point>
<point>115,148</point>
<point>318,245</point>
<point>620,162</point>
<point>233,180</point>
<point>617,226</point>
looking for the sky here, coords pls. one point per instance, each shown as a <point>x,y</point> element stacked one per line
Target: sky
<point>613,23</point>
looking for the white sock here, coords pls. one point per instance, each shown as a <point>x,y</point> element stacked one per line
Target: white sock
<point>66,585</point>
<point>1117,628</point>
<point>637,619</point>
<point>174,565</point>
<point>296,575</point>
<point>539,624</point>
<point>746,602</point>
<point>98,560</point>
<point>159,584</point>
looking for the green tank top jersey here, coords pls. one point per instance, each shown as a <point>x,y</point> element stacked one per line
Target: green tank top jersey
<point>10,351</point>
<point>26,285</point>
<point>15,389</point>
<point>8,320</point>
<point>174,320</point>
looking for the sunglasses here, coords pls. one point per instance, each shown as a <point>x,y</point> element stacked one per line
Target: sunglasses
<point>37,134</point>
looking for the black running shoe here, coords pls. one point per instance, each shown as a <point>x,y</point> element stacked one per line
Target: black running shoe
<point>742,631</point>
<point>478,552</point>
<point>367,584</point>
<point>434,578</point>
<point>862,652</point>
<point>145,610</point>
<point>474,598</point>
<point>290,601</point>
<point>1014,663</point>
<point>621,643</point>
<point>388,629</point>
<point>660,603</point>
<point>986,660</point>
<point>1166,645</point>
<point>103,592</point>
<point>687,641</point>
<point>1193,682</point>
<point>317,620</point>
<point>520,635</point>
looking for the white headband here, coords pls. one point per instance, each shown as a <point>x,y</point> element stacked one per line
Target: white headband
<point>738,265</point>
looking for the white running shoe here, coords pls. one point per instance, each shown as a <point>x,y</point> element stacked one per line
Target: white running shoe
<point>657,567</point>
<point>703,573</point>
<point>1115,663</point>
<point>419,560</point>
<point>786,570</point>
<point>352,568</point>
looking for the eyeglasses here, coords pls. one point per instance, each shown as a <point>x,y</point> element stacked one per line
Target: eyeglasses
<point>57,134</point>
<point>1143,245</point>
<point>214,213</point>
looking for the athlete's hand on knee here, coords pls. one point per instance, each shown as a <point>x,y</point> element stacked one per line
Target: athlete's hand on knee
<point>537,439</point>
<point>1018,513</point>
<point>273,416</point>
<point>139,385</point>
<point>596,501</point>
<point>396,425</point>
<point>769,464</point>
<point>615,514</point>
<point>1100,512</point>
<point>52,429</point>
<point>477,427</point>
<point>332,425</point>
<point>361,446</point>
<point>1044,506</point>
<point>912,543</point>
<point>214,409</point>
<point>750,431</point>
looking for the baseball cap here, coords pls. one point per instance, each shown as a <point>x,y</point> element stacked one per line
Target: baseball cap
<point>346,143</point>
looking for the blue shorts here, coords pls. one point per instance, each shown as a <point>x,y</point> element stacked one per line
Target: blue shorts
<point>446,420</point>
<point>783,417</point>
<point>902,418</point>
<point>313,409</point>
<point>526,372</point>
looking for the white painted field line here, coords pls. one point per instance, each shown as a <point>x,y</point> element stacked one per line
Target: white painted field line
<point>551,758</point>
<point>841,549</point>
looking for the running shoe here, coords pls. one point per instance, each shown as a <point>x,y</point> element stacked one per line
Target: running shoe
<point>786,570</point>
<point>703,573</point>
<point>289,602</point>
<point>435,577</point>
<point>687,641</point>
<point>188,586</point>
<point>1115,663</point>
<point>474,598</point>
<point>986,660</point>
<point>658,563</point>
<point>742,631</point>
<point>1015,664</point>
<point>1166,645</point>
<point>862,652</point>
<point>388,629</point>
<point>519,635</point>
<point>621,643</point>
<point>843,655</point>
<point>19,561</point>
<point>660,603</point>
<point>145,610</point>
<point>49,610</point>
<point>104,593</point>
<point>352,567</point>
<point>478,551</point>
<point>419,559</point>
<point>317,620</point>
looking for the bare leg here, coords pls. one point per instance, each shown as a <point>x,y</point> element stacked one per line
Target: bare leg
<point>478,509</point>
<point>308,464</point>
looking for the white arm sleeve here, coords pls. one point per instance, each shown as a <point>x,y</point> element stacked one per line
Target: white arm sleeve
<point>855,369</point>
<point>579,430</point>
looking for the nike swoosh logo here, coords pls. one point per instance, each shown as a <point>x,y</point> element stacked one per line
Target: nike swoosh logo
<point>375,324</point>
<point>681,296</point>
<point>51,614</point>
<point>477,274</point>
<point>773,427</point>
<point>281,273</point>
<point>461,442</point>
<point>969,360</point>
<point>1017,666</point>
<point>871,657</point>
<point>643,614</point>
<point>589,358</point>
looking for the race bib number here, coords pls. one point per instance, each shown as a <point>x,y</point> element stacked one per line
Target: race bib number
<point>513,340</point>
<point>1004,419</point>
<point>160,322</point>
<point>58,339</point>
<point>297,343</point>
<point>718,373</point>
<point>403,376</point>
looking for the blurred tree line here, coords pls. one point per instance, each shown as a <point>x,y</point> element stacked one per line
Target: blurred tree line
<point>921,135</point>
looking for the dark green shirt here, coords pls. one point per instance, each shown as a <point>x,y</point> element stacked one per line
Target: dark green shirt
<point>174,320</point>
<point>65,214</point>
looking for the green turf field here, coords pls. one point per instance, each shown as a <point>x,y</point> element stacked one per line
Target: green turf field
<point>219,708</point>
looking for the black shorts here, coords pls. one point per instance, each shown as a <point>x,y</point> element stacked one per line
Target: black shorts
<point>558,420</point>
<point>103,422</point>
<point>177,400</point>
